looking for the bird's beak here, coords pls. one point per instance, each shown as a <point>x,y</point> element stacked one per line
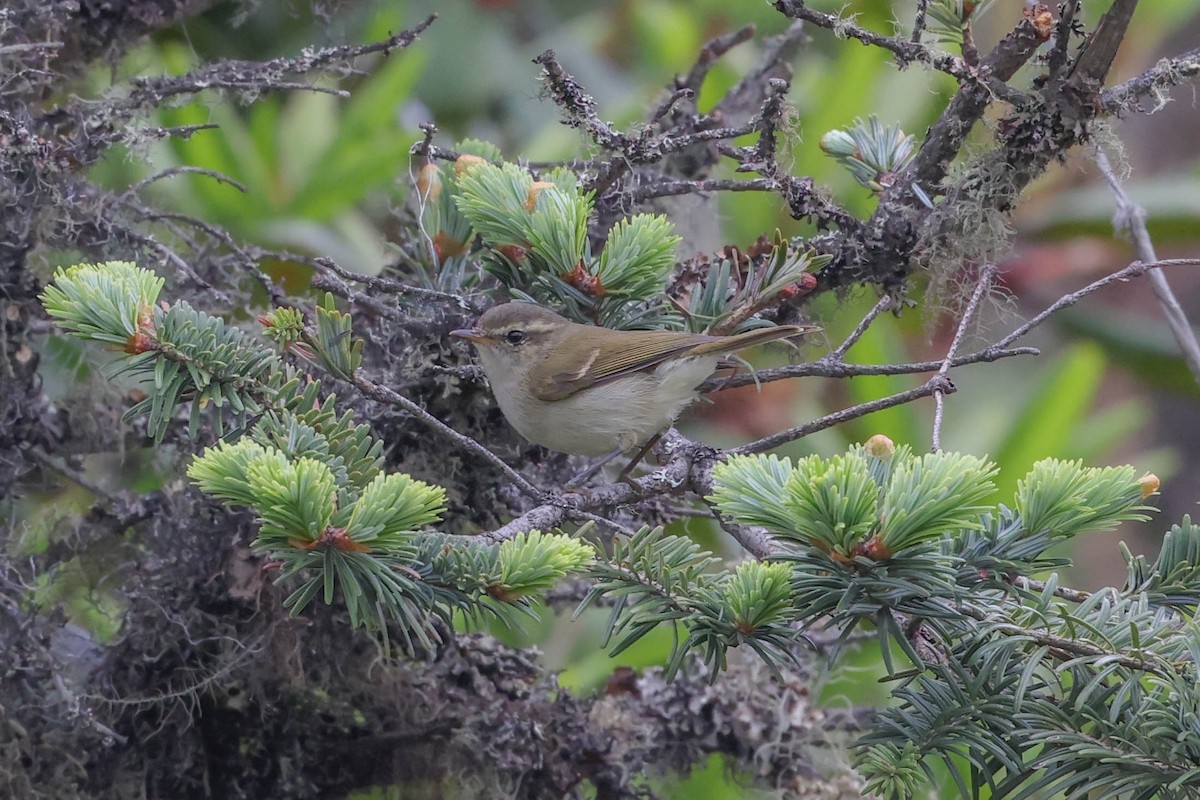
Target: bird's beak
<point>473,335</point>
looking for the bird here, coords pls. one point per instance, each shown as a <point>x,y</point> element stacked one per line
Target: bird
<point>589,390</point>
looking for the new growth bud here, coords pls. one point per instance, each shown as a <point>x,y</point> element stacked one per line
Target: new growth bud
<point>464,163</point>
<point>429,182</point>
<point>532,195</point>
<point>1149,483</point>
<point>880,446</point>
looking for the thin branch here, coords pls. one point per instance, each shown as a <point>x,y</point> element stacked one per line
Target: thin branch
<point>1065,592</point>
<point>1085,649</point>
<point>579,106</point>
<point>838,355</point>
<point>756,541</point>
<point>395,287</point>
<point>937,383</point>
<point>612,524</point>
<point>171,172</point>
<point>946,136</point>
<point>664,108</point>
<point>776,56</point>
<point>221,235</point>
<point>383,394</point>
<point>331,283</point>
<point>75,476</point>
<point>1100,48</point>
<point>27,47</point>
<point>688,465</point>
<point>906,51</point>
<point>802,197</point>
<point>1166,74</point>
<point>250,76</point>
<point>1060,54</point>
<point>1131,217</point>
<point>985,283</point>
<point>712,52</point>
<point>824,368</point>
<point>919,21</point>
<point>1132,271</point>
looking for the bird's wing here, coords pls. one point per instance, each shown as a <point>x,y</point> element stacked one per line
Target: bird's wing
<point>565,378</point>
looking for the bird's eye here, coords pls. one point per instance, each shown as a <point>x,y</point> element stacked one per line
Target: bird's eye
<point>514,337</point>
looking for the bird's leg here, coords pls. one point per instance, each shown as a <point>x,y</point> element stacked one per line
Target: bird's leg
<point>624,476</point>
<point>599,464</point>
<point>594,467</point>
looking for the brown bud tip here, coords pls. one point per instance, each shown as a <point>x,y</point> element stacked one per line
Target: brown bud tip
<point>536,188</point>
<point>503,594</point>
<point>265,321</point>
<point>585,281</point>
<point>446,246</point>
<point>145,319</point>
<point>514,253</point>
<point>303,544</point>
<point>876,549</point>
<point>465,163</point>
<point>1149,483</point>
<point>880,446</point>
<point>429,182</point>
<point>801,287</point>
<point>139,342</point>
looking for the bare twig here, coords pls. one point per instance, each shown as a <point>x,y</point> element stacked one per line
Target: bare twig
<point>383,394</point>
<point>946,136</point>
<point>73,475</point>
<point>1131,217</point>
<point>612,524</point>
<point>171,172</point>
<point>395,287</point>
<point>253,76</point>
<point>221,235</point>
<point>985,283</point>
<point>839,355</point>
<point>688,465</point>
<point>578,105</point>
<point>756,541</point>
<point>712,51</point>
<point>27,47</point>
<point>824,368</point>
<point>1167,73</point>
<point>1132,271</point>
<point>906,51</point>
<point>937,383</point>
<point>1100,48</point>
<point>776,56</point>
<point>802,197</point>
<point>919,21</point>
